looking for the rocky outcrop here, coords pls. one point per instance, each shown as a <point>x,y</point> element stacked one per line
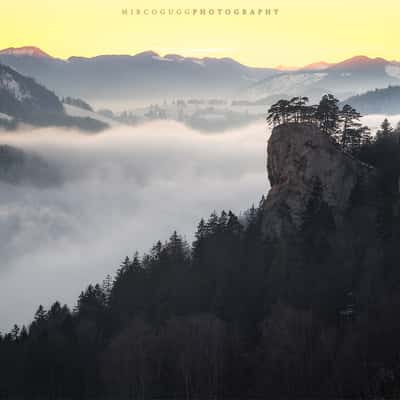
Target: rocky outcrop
<point>299,157</point>
<point>325,222</point>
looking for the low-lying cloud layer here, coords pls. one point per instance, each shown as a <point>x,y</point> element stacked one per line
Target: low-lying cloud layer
<point>124,189</point>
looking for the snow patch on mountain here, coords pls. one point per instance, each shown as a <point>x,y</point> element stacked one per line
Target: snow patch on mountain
<point>73,111</point>
<point>197,61</point>
<point>286,83</point>
<point>158,58</point>
<point>8,83</point>
<point>393,70</point>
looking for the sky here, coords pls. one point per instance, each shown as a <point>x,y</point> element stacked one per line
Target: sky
<point>303,31</point>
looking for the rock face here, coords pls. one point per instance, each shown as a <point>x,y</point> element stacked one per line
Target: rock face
<point>300,157</point>
<point>331,224</point>
<point>321,221</point>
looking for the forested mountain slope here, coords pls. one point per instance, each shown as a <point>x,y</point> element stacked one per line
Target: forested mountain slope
<point>22,99</point>
<point>299,298</point>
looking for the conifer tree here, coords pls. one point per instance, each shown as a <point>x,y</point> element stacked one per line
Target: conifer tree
<point>327,114</point>
<point>385,131</point>
<point>349,136</point>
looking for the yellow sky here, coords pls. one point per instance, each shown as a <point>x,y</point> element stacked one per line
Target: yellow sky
<point>304,31</point>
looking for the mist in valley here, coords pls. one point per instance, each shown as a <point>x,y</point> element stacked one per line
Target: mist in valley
<point>101,197</point>
<point>117,192</point>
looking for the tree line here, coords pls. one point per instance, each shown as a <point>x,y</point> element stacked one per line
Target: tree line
<point>341,124</point>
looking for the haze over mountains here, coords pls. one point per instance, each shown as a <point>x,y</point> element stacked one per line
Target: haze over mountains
<point>378,101</point>
<point>145,75</point>
<point>148,76</point>
<point>348,78</point>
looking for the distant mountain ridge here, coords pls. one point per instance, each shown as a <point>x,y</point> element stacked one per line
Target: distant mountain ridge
<point>344,79</point>
<point>25,51</point>
<point>148,76</point>
<point>379,101</point>
<point>313,66</point>
<point>356,60</point>
<point>142,76</point>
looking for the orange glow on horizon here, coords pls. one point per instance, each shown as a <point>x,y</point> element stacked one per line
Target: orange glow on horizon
<point>304,31</point>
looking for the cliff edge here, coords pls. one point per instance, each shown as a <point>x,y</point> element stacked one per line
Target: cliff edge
<point>302,159</point>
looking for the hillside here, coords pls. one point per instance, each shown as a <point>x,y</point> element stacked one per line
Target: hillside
<point>24,100</point>
<point>379,101</point>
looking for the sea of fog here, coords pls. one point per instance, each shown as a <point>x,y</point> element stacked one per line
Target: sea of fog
<point>123,190</point>
<point>373,121</point>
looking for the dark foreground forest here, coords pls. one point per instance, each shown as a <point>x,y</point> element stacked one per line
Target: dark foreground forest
<point>232,315</point>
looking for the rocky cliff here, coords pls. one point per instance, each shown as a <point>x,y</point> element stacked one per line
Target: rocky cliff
<point>301,157</point>
<point>324,220</point>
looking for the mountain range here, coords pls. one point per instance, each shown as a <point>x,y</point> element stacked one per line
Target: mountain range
<point>143,76</point>
<point>149,76</point>
<point>347,78</point>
